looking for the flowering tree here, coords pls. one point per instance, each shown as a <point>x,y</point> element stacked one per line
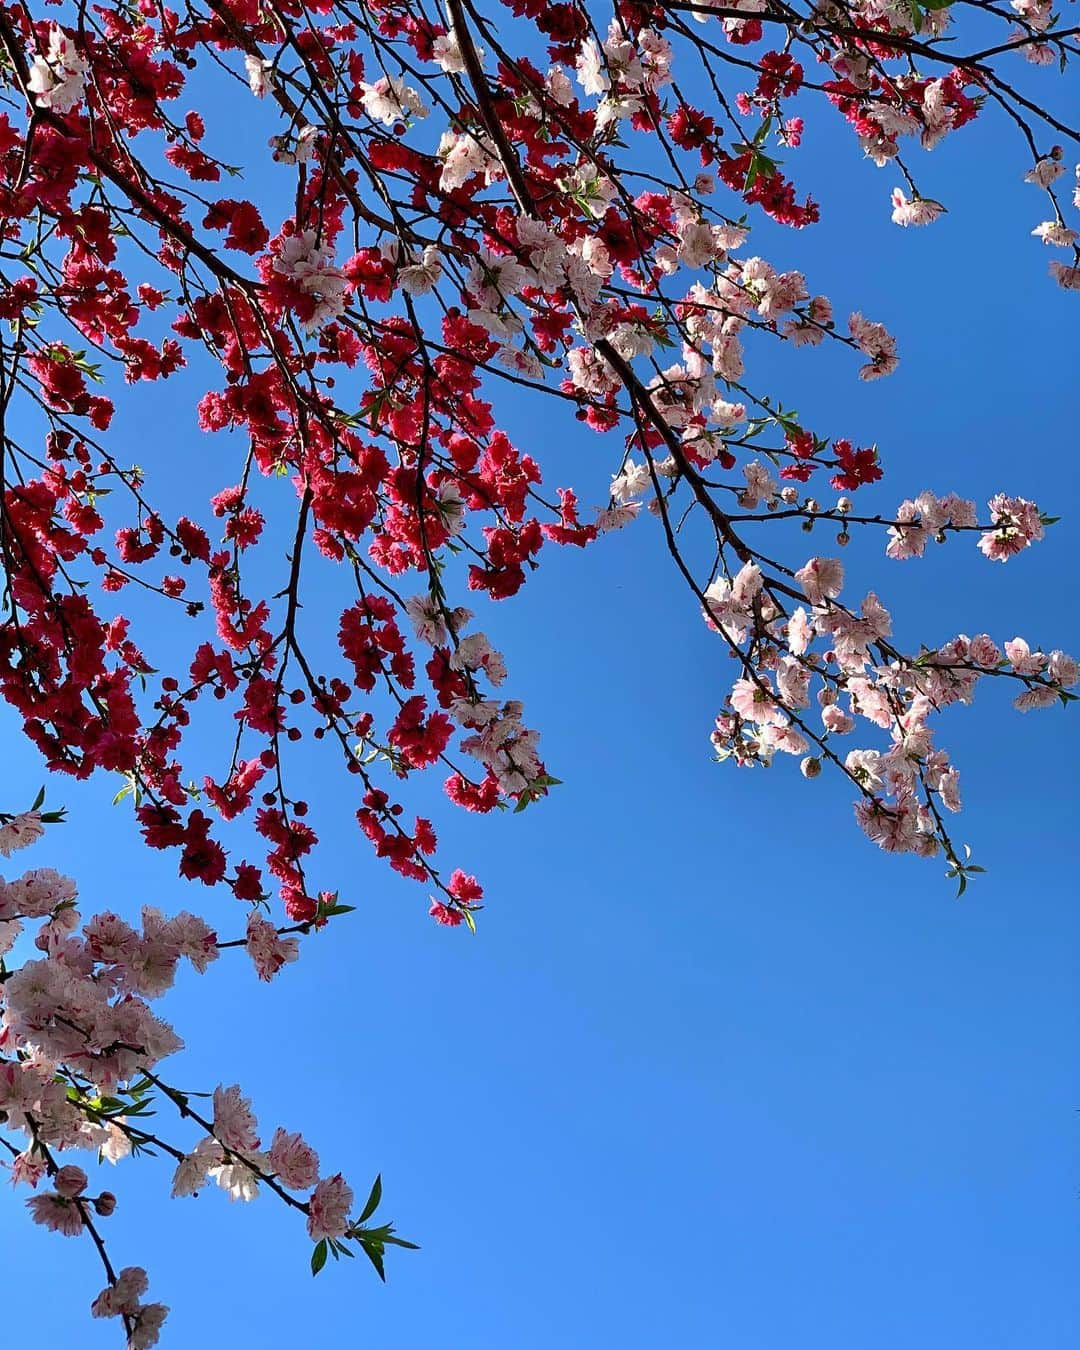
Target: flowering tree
<point>554,199</point>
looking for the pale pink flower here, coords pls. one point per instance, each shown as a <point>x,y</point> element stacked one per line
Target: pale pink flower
<point>1063,669</point>
<point>328,1209</point>
<point>949,788</point>
<point>27,1169</point>
<point>907,538</point>
<point>1068,278</point>
<point>800,632</point>
<point>782,737</point>
<point>746,585</point>
<point>390,100</point>
<point>37,892</point>
<point>58,79</point>
<point>194,939</point>
<point>259,74</point>
<point>56,1214</point>
<point>760,486</point>
<point>753,703</point>
<point>1017,523</point>
<point>9,933</point>
<point>821,578</point>
<point>914,211</point>
<point>192,1171</point>
<point>836,720</point>
<point>123,1296</point>
<point>266,948</point>
<point>234,1121</point>
<point>240,1181</point>
<point>20,832</point>
<point>616,517</point>
<point>295,1162</point>
<point>1038,696</point>
<point>874,340</point>
<point>148,1324</point>
<point>423,273</point>
<point>1054,232</point>
<point>865,766</point>
<point>1045,172</point>
<point>984,651</point>
<point>793,682</point>
<point>1024,660</point>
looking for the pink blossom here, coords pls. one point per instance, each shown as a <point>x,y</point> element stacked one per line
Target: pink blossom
<point>27,1169</point>
<point>192,1170</point>
<point>1024,660</point>
<point>234,1121</point>
<point>148,1324</point>
<point>916,211</point>
<point>752,702</point>
<point>20,832</point>
<point>295,1162</point>
<point>122,1296</point>
<point>1037,696</point>
<point>821,578</point>
<point>1063,669</point>
<point>328,1212</point>
<point>56,1213</point>
<point>1018,524</point>
<point>267,950</point>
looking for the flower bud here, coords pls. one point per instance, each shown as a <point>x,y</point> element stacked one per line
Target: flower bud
<point>105,1204</point>
<point>810,767</point>
<point>843,505</point>
<point>70,1182</point>
<point>789,495</point>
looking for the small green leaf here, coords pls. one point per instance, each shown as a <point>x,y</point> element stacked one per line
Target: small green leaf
<point>372,1200</point>
<point>318,1256</point>
<point>374,1252</point>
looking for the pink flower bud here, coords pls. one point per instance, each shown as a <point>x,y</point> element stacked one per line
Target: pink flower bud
<point>70,1182</point>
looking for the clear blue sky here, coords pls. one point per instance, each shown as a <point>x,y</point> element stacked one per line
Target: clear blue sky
<point>715,1072</point>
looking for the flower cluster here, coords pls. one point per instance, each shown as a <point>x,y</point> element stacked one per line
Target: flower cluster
<point>80,1051</point>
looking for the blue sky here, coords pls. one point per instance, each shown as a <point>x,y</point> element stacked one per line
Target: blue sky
<point>715,1072</point>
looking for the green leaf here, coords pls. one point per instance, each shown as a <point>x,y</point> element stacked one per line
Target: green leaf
<point>372,1200</point>
<point>374,1252</point>
<point>318,1256</point>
